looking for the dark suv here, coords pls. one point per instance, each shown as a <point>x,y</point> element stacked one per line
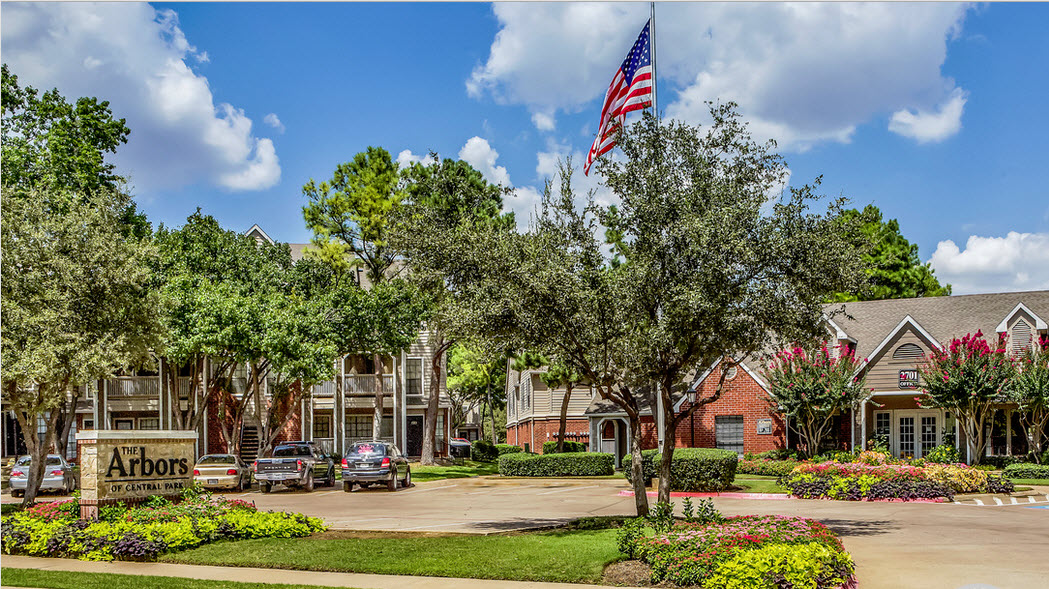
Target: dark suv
<point>374,462</point>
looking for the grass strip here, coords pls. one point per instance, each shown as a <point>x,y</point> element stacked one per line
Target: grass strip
<point>577,556</point>
<point>757,484</point>
<point>1030,481</point>
<point>78,580</point>
<point>468,469</point>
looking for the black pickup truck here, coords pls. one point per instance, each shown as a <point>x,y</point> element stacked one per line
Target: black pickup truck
<point>295,464</point>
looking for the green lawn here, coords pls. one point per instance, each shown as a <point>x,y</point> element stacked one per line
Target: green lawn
<point>752,483</point>
<point>69,580</point>
<point>564,556</point>
<point>1030,481</point>
<point>467,469</point>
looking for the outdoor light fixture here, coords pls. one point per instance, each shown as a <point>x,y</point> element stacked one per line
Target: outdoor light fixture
<point>691,394</point>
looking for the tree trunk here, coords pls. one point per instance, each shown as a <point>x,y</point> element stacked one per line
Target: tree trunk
<point>433,401</point>
<point>637,471</point>
<point>37,448</point>
<point>379,394</point>
<point>564,417</point>
<point>66,418</point>
<point>491,414</point>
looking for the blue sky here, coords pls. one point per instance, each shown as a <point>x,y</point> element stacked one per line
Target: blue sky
<point>933,112</point>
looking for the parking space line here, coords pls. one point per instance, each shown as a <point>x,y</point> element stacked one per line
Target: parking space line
<point>567,489</point>
<point>328,493</point>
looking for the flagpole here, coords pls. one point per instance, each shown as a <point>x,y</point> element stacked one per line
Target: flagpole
<point>652,41</point>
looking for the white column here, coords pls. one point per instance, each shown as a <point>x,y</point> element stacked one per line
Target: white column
<point>660,426</point>
<point>160,393</point>
<point>204,381</point>
<point>1009,432</point>
<point>403,440</point>
<point>105,404</point>
<point>863,424</point>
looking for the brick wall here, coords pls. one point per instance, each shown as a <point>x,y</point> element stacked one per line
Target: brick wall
<point>742,395</point>
<point>577,430</point>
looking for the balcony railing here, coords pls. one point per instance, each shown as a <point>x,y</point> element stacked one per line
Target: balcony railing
<point>324,389</point>
<point>364,384</point>
<point>133,386</point>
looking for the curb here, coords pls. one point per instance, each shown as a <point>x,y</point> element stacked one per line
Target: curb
<point>771,496</point>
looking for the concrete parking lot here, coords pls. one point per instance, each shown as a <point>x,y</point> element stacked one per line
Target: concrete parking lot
<point>896,545</point>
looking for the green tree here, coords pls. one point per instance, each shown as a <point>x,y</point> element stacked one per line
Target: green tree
<point>476,375</point>
<point>352,217</point>
<point>811,386</point>
<point>968,378</point>
<point>441,197</point>
<point>709,272</point>
<point>77,304</point>
<point>894,270</point>
<point>52,145</point>
<point>1029,389</point>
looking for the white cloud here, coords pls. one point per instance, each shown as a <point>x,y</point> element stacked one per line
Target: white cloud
<point>139,60</point>
<point>802,73</point>
<point>1018,261</point>
<point>479,154</point>
<point>406,158</point>
<point>925,127</point>
<point>274,121</point>
<point>544,121</point>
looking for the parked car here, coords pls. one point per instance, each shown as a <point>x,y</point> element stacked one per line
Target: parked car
<point>459,447</point>
<point>58,475</point>
<point>222,471</point>
<point>374,462</point>
<point>295,464</point>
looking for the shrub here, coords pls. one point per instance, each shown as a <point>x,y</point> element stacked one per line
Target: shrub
<point>777,454</point>
<point>943,454</point>
<point>557,465</point>
<point>783,565</point>
<point>145,532</point>
<point>483,451</point>
<point>507,449</point>
<point>551,447</point>
<point>694,469</point>
<point>772,468</point>
<point>1027,471</point>
<point>694,554</point>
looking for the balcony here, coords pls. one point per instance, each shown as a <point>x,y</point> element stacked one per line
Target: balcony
<point>364,384</point>
<point>133,386</point>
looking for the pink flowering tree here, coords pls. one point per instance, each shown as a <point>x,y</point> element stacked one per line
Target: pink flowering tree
<point>968,378</point>
<point>1029,389</point>
<point>811,386</point>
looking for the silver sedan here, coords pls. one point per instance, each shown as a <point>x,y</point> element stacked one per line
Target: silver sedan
<point>58,475</point>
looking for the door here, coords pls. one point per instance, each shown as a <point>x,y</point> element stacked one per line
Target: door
<point>415,435</point>
<point>929,435</point>
<point>906,437</point>
<point>728,432</point>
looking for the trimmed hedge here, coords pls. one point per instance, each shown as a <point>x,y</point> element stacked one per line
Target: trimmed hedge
<point>771,468</point>
<point>551,447</point>
<point>692,469</point>
<point>1027,471</point>
<point>568,464</point>
<point>507,449</point>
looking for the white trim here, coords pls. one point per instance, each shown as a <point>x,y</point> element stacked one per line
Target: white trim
<point>839,333</point>
<point>885,342</point>
<point>1039,323</point>
<point>264,234</point>
<point>154,434</point>
<point>906,393</point>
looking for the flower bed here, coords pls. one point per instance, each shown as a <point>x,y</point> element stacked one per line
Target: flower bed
<point>746,551</point>
<point>876,481</point>
<point>142,533</point>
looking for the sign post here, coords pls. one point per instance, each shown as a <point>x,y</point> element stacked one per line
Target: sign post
<point>128,466</point>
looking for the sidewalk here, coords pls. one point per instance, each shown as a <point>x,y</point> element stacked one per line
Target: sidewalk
<point>254,575</point>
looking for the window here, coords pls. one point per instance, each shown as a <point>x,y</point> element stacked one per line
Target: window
<point>882,423</point>
<point>322,426</point>
<point>413,376</point>
<point>359,427</point>
<point>148,423</point>
<point>124,424</point>
<point>731,372</point>
<point>88,424</point>
<point>728,432</point>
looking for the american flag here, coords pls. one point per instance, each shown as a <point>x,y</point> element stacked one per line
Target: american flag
<point>630,90</point>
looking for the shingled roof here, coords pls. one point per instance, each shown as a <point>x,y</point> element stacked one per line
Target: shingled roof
<point>870,322</point>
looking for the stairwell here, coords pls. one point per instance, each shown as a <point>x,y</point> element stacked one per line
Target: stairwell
<point>249,443</point>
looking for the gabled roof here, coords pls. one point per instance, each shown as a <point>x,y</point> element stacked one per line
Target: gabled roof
<point>907,321</point>
<point>257,232</point>
<point>702,377</point>
<point>1004,325</point>
<point>942,318</point>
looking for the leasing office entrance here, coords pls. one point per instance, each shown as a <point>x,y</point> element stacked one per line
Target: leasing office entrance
<point>913,433</point>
